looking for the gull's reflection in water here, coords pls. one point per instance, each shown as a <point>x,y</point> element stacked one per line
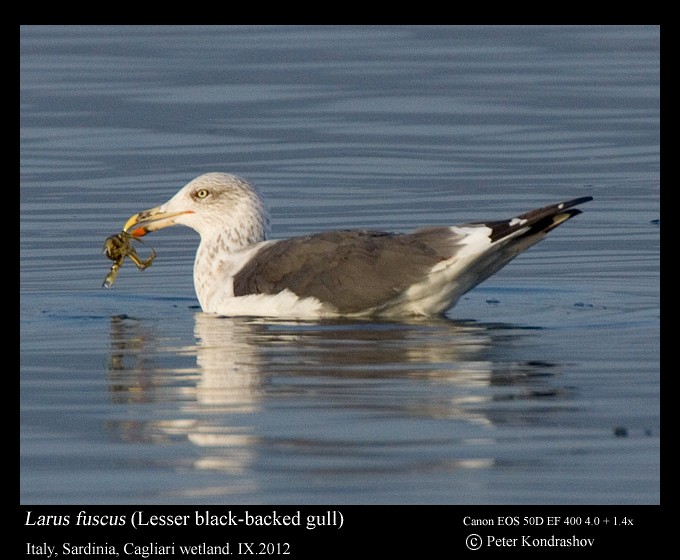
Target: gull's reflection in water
<point>247,387</point>
<point>230,364</point>
<point>196,393</point>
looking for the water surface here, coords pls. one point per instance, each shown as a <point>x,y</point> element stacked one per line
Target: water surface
<point>541,386</point>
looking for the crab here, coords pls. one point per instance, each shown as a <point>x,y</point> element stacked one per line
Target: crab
<point>116,248</point>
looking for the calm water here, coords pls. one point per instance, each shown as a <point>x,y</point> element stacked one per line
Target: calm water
<point>541,386</point>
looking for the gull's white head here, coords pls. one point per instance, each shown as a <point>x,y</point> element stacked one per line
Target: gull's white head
<point>216,205</point>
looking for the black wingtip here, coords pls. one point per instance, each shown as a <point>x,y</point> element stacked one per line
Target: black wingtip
<point>577,201</point>
<point>542,219</point>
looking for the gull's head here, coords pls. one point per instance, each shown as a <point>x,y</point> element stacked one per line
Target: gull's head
<point>215,205</point>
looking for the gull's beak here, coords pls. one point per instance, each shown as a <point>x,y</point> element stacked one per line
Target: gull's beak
<point>151,220</point>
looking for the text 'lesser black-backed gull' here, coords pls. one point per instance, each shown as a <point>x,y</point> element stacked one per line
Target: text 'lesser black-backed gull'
<point>358,273</point>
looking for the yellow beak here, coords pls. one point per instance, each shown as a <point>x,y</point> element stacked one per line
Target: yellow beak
<point>151,220</point>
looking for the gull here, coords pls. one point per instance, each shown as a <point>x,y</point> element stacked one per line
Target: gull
<point>238,271</point>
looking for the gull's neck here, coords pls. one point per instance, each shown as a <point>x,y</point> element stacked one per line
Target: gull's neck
<point>222,253</point>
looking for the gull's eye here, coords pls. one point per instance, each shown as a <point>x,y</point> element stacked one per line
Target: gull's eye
<point>202,193</point>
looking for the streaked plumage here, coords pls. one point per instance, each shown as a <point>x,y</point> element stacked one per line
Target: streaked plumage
<point>238,271</point>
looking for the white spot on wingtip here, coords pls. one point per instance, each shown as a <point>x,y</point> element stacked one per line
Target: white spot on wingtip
<point>517,222</point>
<point>560,206</point>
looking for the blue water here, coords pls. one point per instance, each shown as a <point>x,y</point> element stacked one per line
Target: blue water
<point>540,387</point>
